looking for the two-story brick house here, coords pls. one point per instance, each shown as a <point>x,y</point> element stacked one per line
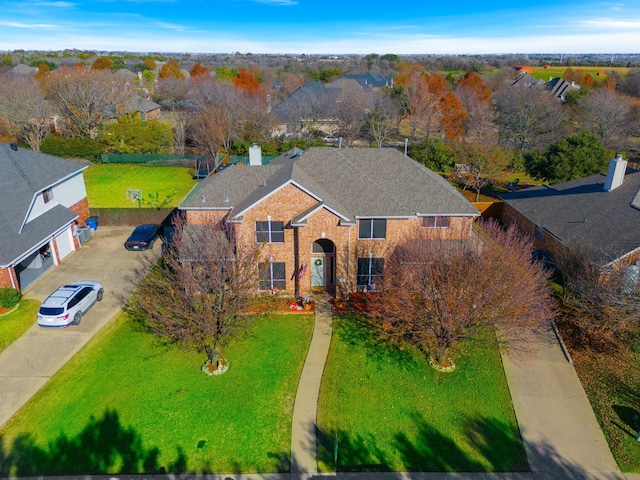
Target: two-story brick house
<point>41,199</point>
<point>327,217</point>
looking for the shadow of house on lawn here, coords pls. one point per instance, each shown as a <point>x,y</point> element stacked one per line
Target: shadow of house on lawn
<point>104,446</point>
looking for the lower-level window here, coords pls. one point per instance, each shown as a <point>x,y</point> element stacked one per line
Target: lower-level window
<point>369,271</point>
<point>271,275</point>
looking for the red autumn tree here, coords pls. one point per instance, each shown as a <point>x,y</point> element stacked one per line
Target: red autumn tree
<point>437,293</point>
<point>198,70</point>
<point>453,116</point>
<point>102,63</point>
<point>247,80</point>
<point>437,84</point>
<point>472,81</point>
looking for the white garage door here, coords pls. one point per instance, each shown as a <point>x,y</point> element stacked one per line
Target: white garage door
<point>64,242</point>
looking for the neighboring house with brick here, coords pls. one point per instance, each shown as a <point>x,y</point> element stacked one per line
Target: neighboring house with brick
<point>599,213</point>
<point>328,217</point>
<point>42,197</point>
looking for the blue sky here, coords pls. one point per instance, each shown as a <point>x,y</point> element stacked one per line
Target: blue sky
<point>322,27</point>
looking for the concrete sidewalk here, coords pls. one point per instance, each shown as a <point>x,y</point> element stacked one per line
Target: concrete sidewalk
<point>28,363</point>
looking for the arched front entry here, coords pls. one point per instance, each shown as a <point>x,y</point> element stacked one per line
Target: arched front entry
<point>323,265</point>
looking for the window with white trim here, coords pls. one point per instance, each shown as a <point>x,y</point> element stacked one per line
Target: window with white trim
<point>47,195</point>
<point>375,228</point>
<point>270,232</point>
<point>436,222</point>
<point>369,271</point>
<point>271,276</point>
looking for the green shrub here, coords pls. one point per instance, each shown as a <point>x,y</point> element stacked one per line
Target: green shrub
<point>72,147</point>
<point>9,297</point>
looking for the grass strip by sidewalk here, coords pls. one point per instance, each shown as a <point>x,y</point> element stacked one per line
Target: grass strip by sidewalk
<point>392,412</point>
<point>107,184</point>
<point>612,383</point>
<point>129,404</point>
<point>18,321</point>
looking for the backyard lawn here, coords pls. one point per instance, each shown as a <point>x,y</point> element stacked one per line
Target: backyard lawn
<point>127,403</point>
<point>389,411</point>
<point>107,184</point>
<point>15,322</point>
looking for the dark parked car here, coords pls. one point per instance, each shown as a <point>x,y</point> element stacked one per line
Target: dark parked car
<point>142,237</point>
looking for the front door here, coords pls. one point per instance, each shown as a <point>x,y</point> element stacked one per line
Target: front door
<point>317,272</point>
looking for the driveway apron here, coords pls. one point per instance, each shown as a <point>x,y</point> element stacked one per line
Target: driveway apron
<point>27,364</point>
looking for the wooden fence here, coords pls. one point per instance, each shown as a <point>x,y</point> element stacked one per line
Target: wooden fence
<point>131,216</point>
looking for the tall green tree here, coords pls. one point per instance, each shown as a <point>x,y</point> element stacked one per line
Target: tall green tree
<point>131,134</point>
<point>572,157</point>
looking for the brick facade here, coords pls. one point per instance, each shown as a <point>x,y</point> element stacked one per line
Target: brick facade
<point>8,278</point>
<point>296,250</point>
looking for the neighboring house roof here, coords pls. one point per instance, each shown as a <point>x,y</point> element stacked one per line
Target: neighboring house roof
<point>142,105</point>
<point>526,80</point>
<point>24,175</point>
<point>372,80</point>
<point>312,98</point>
<point>23,69</point>
<point>581,212</point>
<point>352,183</point>
<point>559,87</point>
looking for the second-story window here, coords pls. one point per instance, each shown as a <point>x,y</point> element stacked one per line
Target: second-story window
<point>372,228</point>
<point>47,195</point>
<point>270,232</point>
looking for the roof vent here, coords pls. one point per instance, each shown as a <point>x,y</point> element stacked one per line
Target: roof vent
<point>615,173</point>
<point>14,147</point>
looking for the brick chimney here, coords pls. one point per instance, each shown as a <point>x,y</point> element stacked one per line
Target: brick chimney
<point>615,173</point>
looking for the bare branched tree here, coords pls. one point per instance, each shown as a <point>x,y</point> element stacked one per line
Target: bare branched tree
<point>351,107</point>
<point>197,292</point>
<point>24,106</point>
<point>604,303</point>
<point>86,98</point>
<point>382,117</point>
<point>438,292</point>
<point>528,118</point>
<point>607,114</point>
<point>217,121</point>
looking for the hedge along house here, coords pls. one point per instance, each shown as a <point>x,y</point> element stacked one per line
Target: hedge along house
<point>327,217</point>
<point>41,197</point>
<point>600,214</point>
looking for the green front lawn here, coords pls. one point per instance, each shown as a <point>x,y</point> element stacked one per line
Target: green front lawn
<point>129,404</point>
<point>107,184</point>
<point>392,412</point>
<point>18,321</point>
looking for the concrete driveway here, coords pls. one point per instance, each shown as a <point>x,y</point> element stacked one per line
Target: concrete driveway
<point>27,364</point>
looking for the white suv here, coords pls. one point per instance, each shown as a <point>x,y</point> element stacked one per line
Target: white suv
<point>68,303</point>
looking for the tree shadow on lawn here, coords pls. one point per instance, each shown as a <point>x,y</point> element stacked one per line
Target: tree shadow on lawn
<point>429,451</point>
<point>104,446</point>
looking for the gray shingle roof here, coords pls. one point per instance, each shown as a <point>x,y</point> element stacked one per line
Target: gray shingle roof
<point>24,174</point>
<point>580,211</point>
<point>352,182</point>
